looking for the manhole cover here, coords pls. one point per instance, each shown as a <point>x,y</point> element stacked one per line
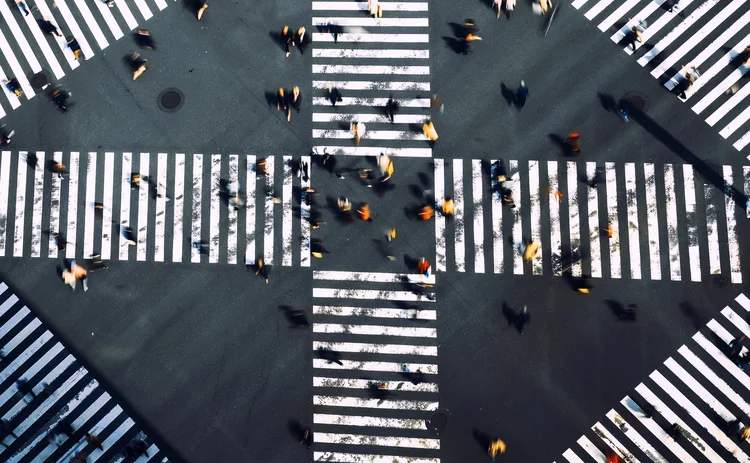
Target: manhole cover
<point>438,421</point>
<point>720,281</point>
<point>38,80</point>
<point>637,100</point>
<point>171,99</point>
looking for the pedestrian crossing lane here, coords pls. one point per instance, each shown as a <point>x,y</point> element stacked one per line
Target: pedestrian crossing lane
<point>688,390</point>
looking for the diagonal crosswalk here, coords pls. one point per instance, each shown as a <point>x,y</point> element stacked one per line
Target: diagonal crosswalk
<point>28,50</point>
<point>50,401</point>
<point>181,202</point>
<point>372,401</point>
<point>709,35</point>
<point>704,391</point>
<point>369,61</point>
<point>665,221</point>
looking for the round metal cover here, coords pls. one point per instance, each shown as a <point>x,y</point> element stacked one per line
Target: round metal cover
<point>720,281</point>
<point>437,422</point>
<point>38,80</point>
<point>637,100</point>
<point>170,100</point>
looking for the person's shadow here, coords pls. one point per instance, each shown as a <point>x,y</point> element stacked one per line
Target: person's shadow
<point>482,438</point>
<point>510,315</point>
<point>508,94</point>
<point>458,46</point>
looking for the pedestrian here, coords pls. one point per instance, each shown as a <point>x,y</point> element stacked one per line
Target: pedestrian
<point>691,75</point>
<point>385,166</point>
<point>523,319</point>
<point>6,430</point>
<point>329,162</point>
<point>426,212</point>
<point>545,5</point>
<point>358,129</point>
<point>612,457</point>
<point>69,278</point>
<point>281,101</point>
<point>496,446</point>
<point>509,6</point>
<point>364,212</point>
<point>391,235</point>
<point>94,440</point>
<point>671,4</point>
<point>674,431</point>
<point>261,270</point>
<point>72,43</point>
<point>288,37</point>
<point>583,284</point>
<point>296,102</point>
<point>334,95</point>
<point>135,180</point>
<point>79,273</point>
<point>735,347</point>
<point>391,108</point>
<point>25,388</point>
<point>201,5</point>
<point>60,241</point>
<point>436,103</point>
<point>137,64</point>
<point>745,434</point>
<point>471,30</point>
<point>129,235</point>
<point>306,438</point>
<point>96,263</point>
<point>82,457</point>
<point>521,95</point>
<point>13,86</point>
<point>335,30</point>
<point>48,28</point>
<point>424,267</point>
<point>144,40</point>
<point>428,128</point>
<point>301,40</point>
<point>5,137</point>
<point>497,5</point>
<point>344,204</point>
<point>22,5</point>
<point>260,167</point>
<point>573,142</point>
<point>373,7</point>
<point>448,207</point>
<point>531,250</point>
<point>597,178</point>
<point>317,249</point>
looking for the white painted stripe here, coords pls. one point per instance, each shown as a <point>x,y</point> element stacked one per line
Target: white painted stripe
<point>574,214</point>
<point>12,98</point>
<point>85,418</point>
<point>142,234</point>
<point>370,69</point>
<point>388,441</point>
<point>195,237</point>
<point>736,123</point>
<point>126,14</point>
<point>370,134</point>
<point>722,333</point>
<point>478,211</point>
<point>631,194</point>
<point>72,218</point>
<point>736,320</point>
<point>616,15</point>
<point>641,15</point>
<point>722,359</point>
<point>517,218</point>
<point>305,224</point>
<point>591,449</point>
<point>370,38</point>
<point>18,224</point>
<point>497,224</point>
<point>742,143</point>
<point>22,335</point>
<point>719,383</point>
<point>62,7</point>
<point>741,300</point>
<point>440,229</point>
<point>403,385</point>
<point>459,228</point>
<point>370,53</point>
<point>8,303</point>
<point>355,402</point>
<point>374,330</point>
<point>746,176</point>
<point>372,277</point>
<point>714,255</point>
<point>340,457</point>
<point>657,431</point>
<point>20,38</point>
<point>46,13</point>
<point>371,22</point>
<point>54,207</point>
<point>36,225</point>
<point>41,40</point>
<point>699,390</point>
<point>143,9</point>
<point>4,192</point>
<point>595,251</point>
<point>109,19</point>
<point>250,212</point>
<point>653,221</point>
<point>161,4</point>
<point>110,441</point>
<point>286,213</point>
<point>93,26</point>
<point>215,211</point>
<point>732,238</point>
<point>634,436</point>
<point>18,72</point>
<point>18,363</point>
<point>109,172</point>
<point>109,418</point>
<point>269,209</point>
<point>50,401</point>
<point>125,203</point>
<point>555,237</point>
<point>372,151</point>
<point>690,201</point>
<point>161,203</point>
<point>371,85</point>
<point>367,118</point>
<point>368,294</point>
<point>88,229</point>
<point>572,457</point>
<point>728,105</point>
<point>368,421</point>
<point>615,260</point>
<point>178,200</point>
<point>612,442</point>
<point>697,37</point>
<point>577,4</point>
<point>721,88</point>
<point>232,213</point>
<point>701,419</point>
<point>362,6</point>
<point>598,8</point>
<point>384,349</point>
<point>535,211</point>
<point>371,102</point>
<point>675,33</point>
<point>391,367</point>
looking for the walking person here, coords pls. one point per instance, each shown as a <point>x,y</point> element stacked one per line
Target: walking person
<point>48,28</point>
<point>137,64</point>
<point>374,8</point>
<point>60,241</point>
<point>358,129</point>
<point>72,43</point>
<point>426,212</point>
<point>522,95</point>
<point>573,143</point>
<point>329,162</point>
<point>306,438</point>
<point>281,101</point>
<point>386,167</point>
<point>597,178</point>
<point>334,95</point>
<point>301,40</point>
<point>22,5</point>
<point>391,108</point>
<point>496,446</point>
<point>296,102</point>
<point>428,128</point>
<point>424,267</point>
<point>144,40</point>
<point>13,86</point>
<point>448,207</point>
<point>79,273</point>
<point>288,37</point>
<point>5,137</point>
<point>523,319</point>
<point>261,270</point>
<point>364,212</point>
<point>509,6</point>
<point>201,6</point>
<point>497,5</point>
<point>129,235</point>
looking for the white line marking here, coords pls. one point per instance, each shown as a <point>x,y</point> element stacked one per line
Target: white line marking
<point>459,227</point>
<point>369,294</point>
<point>613,443</point>
<point>362,6</point>
<point>371,85</point>
<point>372,151</point>
<point>615,16</point>
<point>722,359</point>
<point>215,211</point>
<point>389,441</point>
<point>371,22</point>
<point>370,102</point>
<point>719,383</point>
<point>594,230</point>
<point>535,211</point>
<point>370,38</point>
<point>107,195</point>
<point>374,330</point>
<point>286,213</point>
<point>572,457</point>
<point>574,213</point>
<point>125,203</point>
<point>598,8</point>
<point>375,277</point>
<point>387,349</point>
<point>126,14</point>
<point>369,135</point>
<point>692,222</point>
<point>143,9</point>
<point>400,385</point>
<point>161,210</point>
<point>54,207</point>
<point>354,402</point>
<point>41,40</point>
<point>389,367</point>
<point>19,222</point>
<point>305,224</point>
<point>367,118</point>
<point>517,218</point>
<point>497,224</point>
<point>4,192</point>
<point>232,215</point>
<point>142,234</point>
<point>89,225</point>
<point>440,229</point>
<point>250,212</point>
<point>732,238</point>
<point>36,226</point>
<point>370,69</point>
<point>615,260</point>
<point>93,26</point>
<point>591,449</point>
<point>62,7</point>
<point>631,194</point>
<point>72,218</point>
<point>478,211</point>
<point>634,436</point>
<point>46,13</point>
<point>178,198</point>
<point>672,231</point>
<point>370,53</point>
<point>409,312</point>
<point>368,421</point>
<point>555,237</point>
<point>269,209</point>
<point>195,237</point>
<point>653,221</point>
<point>28,53</point>
<point>109,19</point>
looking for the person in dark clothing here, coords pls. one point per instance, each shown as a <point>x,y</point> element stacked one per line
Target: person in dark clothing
<point>296,101</point>
<point>392,108</point>
<point>48,28</point>
<point>144,40</point>
<point>72,43</point>
<point>330,356</point>
<point>25,388</point>
<point>306,438</point>
<point>288,37</point>
<point>521,95</point>
<point>335,30</point>
<point>597,178</point>
<point>334,95</point>
<point>13,86</point>
<point>300,39</point>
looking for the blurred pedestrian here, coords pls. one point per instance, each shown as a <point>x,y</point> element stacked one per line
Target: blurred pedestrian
<point>60,241</point>
<point>334,95</point>
<point>509,6</point>
<point>597,178</point>
<point>5,137</point>
<point>573,142</point>
<point>372,7</point>
<point>364,212</point>
<point>129,235</point>
<point>329,162</point>
<point>358,129</point>
<point>691,75</point>
<point>135,180</point>
<point>344,204</point>
<point>69,278</point>
<point>531,250</point>
<point>306,438</point>
<point>94,440</point>
<point>260,167</point>
<point>201,5</point>
<point>522,94</point>
<point>448,207</point>
<point>317,249</point>
<point>334,29</point>
<point>497,5</point>
<point>671,5</point>
<point>612,457</point>
<point>296,102</point>
<point>13,86</point>
<point>426,212</point>
<point>288,37</point>
<point>301,39</point>
<point>428,128</point>
<point>48,28</point>
<point>496,446</point>
<point>424,267</point>
<point>261,270</point>
<point>281,101</point>
<point>144,40</point>
<point>745,434</point>
<point>391,108</point>
<point>523,319</point>
<point>72,43</point>
<point>471,31</point>
<point>385,166</point>
<point>137,64</point>
<point>80,273</point>
<point>22,5</point>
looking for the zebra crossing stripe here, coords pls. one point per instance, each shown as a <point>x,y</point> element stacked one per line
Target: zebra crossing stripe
<point>653,221</point>
<point>497,225</point>
<point>268,238</point>
<point>370,135</point>
<point>714,379</point>
<point>594,231</point>
<point>612,442</point>
<point>570,455</point>
<point>632,211</point>
<point>517,226</point>
<point>612,19</point>
<point>724,109</point>
<point>215,211</point>
<point>62,7</point>
<point>591,449</point>
<point>372,38</point>
<point>392,367</point>
<point>356,402</point>
<point>160,212</point>
<point>613,222</point>
<point>61,43</point>
<point>714,257</point>
<point>374,330</point>
<point>371,22</point>
<point>88,236</point>
<point>555,237</point>
<point>736,320</point>
<point>631,434</point>
<point>142,233</point>
<point>368,421</point>
<point>388,349</point>
<point>362,6</point>
<point>535,211</point>
<point>398,118</point>
<point>440,229</point>
<point>598,8</point>
<point>109,19</point>
<point>232,212</point>
<point>575,219</point>
<point>20,38</point>
<point>389,441</point>
<point>54,213</point>
<point>38,198</point>
<point>459,227</point>
<point>368,458</point>
<point>72,217</point>
<point>351,101</point>
<point>722,360</point>
<point>250,212</point>
<point>693,249</point>
<point>372,85</point>
<point>91,23</point>
<point>15,66</point>
<point>349,383</point>
<point>370,69</point>
<point>143,9</point>
<point>125,203</point>
<point>370,53</point>
<point>41,41</point>
<point>286,223</point>
<point>18,233</point>
<point>178,199</point>
<point>478,213</point>
<point>732,239</point>
<point>305,224</point>
<point>109,163</point>
<point>197,199</point>
<point>699,390</point>
<point>376,277</point>
<point>126,14</point>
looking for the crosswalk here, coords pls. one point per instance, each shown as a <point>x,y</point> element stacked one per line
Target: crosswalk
<point>27,50</point>
<point>699,389</point>
<point>666,222</point>
<point>51,401</point>
<point>370,60</point>
<point>181,202</point>
<point>708,34</point>
<point>372,401</point>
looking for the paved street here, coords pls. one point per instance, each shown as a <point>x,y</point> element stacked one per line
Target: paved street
<point>183,180</point>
